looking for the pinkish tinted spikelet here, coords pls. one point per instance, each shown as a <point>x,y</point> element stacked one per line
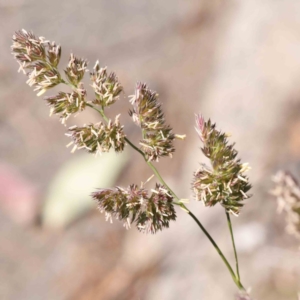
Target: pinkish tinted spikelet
<point>225,182</point>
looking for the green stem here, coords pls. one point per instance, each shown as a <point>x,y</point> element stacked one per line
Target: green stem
<point>68,84</point>
<point>162,181</point>
<point>233,244</point>
<point>235,279</point>
<point>100,111</point>
<point>155,171</point>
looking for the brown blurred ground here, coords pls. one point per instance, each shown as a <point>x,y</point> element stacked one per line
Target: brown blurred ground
<point>238,63</point>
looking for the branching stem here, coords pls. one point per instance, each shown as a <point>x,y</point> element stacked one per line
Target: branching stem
<point>179,203</point>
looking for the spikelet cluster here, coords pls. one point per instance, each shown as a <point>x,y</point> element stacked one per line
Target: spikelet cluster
<point>98,138</point>
<point>76,69</point>
<point>147,113</point>
<point>149,211</point>
<point>66,104</point>
<point>224,182</point>
<point>76,101</point>
<point>38,59</point>
<point>287,192</point>
<point>106,86</point>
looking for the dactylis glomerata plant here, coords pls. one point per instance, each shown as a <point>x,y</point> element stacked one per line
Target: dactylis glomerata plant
<point>223,182</point>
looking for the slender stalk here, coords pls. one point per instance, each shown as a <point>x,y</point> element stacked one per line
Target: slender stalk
<point>163,182</point>
<point>100,111</point>
<point>68,84</point>
<point>235,279</point>
<point>142,153</point>
<point>233,244</point>
<point>157,174</point>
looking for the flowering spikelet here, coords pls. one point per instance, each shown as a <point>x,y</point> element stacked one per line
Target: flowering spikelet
<point>107,87</point>
<point>287,192</point>
<point>225,182</point>
<point>39,57</point>
<point>65,104</point>
<point>147,113</point>
<point>27,48</point>
<point>150,212</point>
<point>54,53</point>
<point>98,138</point>
<point>75,70</point>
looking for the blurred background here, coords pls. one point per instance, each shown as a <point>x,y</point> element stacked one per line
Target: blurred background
<point>236,62</point>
